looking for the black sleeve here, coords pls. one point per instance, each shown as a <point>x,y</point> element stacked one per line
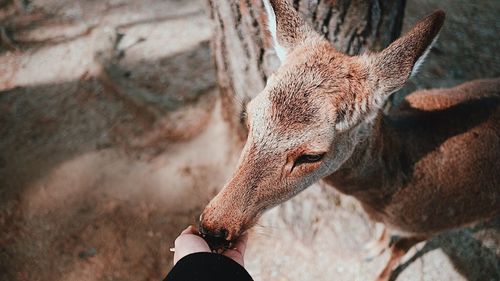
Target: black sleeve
<point>207,267</point>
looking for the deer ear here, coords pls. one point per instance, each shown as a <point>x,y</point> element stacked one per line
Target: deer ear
<point>286,27</point>
<point>396,63</point>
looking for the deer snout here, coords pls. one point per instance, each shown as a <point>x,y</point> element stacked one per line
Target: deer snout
<point>220,226</point>
<point>235,209</point>
<point>215,237</point>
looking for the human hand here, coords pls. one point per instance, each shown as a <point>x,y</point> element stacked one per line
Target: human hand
<point>190,242</point>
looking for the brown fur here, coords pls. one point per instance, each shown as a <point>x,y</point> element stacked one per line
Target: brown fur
<point>290,27</point>
<point>395,64</point>
<point>432,163</point>
<point>428,165</point>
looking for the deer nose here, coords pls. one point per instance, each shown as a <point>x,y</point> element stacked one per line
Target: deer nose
<point>216,238</point>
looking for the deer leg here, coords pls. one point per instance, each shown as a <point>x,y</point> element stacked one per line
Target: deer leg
<point>398,250</point>
<point>376,247</point>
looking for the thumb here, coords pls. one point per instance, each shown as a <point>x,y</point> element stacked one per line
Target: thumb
<point>237,253</point>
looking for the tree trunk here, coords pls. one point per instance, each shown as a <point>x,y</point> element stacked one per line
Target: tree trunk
<point>243,51</point>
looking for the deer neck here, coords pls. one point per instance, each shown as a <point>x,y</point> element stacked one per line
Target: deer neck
<point>370,173</point>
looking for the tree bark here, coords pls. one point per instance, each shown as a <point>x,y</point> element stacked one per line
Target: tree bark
<point>242,45</point>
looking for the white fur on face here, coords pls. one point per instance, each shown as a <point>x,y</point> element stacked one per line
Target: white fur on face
<point>263,132</point>
<point>271,22</point>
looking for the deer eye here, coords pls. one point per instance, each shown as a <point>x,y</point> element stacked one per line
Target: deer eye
<point>308,158</point>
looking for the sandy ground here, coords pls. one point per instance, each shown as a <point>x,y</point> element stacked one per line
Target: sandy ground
<point>95,184</point>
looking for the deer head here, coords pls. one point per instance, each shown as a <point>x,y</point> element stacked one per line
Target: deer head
<point>307,121</point>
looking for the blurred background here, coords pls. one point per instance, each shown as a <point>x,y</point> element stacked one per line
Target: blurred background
<point>100,172</point>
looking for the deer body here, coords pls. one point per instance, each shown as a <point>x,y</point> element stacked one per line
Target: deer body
<point>425,166</point>
<point>431,164</point>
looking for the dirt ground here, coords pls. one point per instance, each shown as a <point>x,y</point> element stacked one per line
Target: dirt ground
<point>112,142</point>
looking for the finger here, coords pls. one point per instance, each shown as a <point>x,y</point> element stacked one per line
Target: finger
<point>237,253</point>
<point>187,244</point>
<point>190,230</point>
<point>235,256</point>
<point>188,241</point>
<point>241,244</point>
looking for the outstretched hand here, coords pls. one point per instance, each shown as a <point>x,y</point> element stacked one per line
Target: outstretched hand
<point>189,242</point>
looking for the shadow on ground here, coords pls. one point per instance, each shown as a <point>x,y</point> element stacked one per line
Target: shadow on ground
<point>473,252</point>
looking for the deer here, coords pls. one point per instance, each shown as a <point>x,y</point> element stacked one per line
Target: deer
<point>425,166</point>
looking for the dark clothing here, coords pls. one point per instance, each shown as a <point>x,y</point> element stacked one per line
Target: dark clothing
<point>207,267</point>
